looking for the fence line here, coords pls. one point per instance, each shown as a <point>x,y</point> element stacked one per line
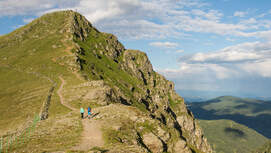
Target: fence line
<point>13,140</point>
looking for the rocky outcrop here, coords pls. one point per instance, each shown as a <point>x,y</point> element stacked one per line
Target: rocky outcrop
<point>137,64</point>
<point>153,143</point>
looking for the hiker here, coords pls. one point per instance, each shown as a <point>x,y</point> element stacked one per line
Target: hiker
<point>82,112</point>
<point>89,112</point>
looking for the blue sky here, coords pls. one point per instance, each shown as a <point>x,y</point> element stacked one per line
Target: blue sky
<point>201,45</point>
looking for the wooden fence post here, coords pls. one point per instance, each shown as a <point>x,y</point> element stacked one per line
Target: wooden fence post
<point>7,145</point>
<point>23,137</point>
<point>1,145</point>
<point>15,140</point>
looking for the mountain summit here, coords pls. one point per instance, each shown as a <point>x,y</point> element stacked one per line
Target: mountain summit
<point>59,63</point>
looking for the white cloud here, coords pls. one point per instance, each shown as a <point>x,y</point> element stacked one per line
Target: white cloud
<point>164,44</point>
<point>218,78</point>
<point>137,19</point>
<point>207,72</point>
<point>211,14</point>
<point>238,61</point>
<point>142,19</point>
<point>30,7</point>
<point>230,39</point>
<point>240,14</point>
<point>249,21</point>
<point>223,57</point>
<point>262,68</point>
<point>208,26</point>
<point>27,20</point>
<point>179,51</point>
<point>262,15</point>
<point>240,68</point>
<point>241,53</point>
<point>134,19</point>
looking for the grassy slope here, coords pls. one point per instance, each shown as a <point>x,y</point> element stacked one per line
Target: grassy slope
<point>29,66</point>
<point>266,148</point>
<point>227,136</point>
<point>113,75</point>
<point>254,114</point>
<point>104,67</point>
<point>30,50</point>
<point>246,115</point>
<point>21,97</point>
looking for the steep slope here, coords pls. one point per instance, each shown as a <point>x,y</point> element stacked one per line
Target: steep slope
<point>136,109</point>
<point>29,69</point>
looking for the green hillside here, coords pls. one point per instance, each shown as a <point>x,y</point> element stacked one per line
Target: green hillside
<point>255,114</point>
<point>227,136</point>
<point>28,70</point>
<point>234,105</point>
<point>266,148</point>
<point>58,63</point>
<point>234,124</point>
<point>32,59</point>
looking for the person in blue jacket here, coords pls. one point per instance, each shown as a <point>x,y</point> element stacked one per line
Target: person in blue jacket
<point>82,112</point>
<point>89,112</point>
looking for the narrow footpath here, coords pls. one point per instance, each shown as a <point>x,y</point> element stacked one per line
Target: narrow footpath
<point>92,135</point>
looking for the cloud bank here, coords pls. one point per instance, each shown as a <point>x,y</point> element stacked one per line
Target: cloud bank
<point>234,68</point>
<point>143,19</point>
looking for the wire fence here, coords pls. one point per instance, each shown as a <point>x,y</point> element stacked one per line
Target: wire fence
<point>11,141</point>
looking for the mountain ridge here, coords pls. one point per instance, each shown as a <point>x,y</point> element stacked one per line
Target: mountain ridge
<point>199,95</point>
<point>135,106</point>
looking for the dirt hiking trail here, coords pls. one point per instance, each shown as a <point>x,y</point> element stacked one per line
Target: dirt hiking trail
<point>60,94</point>
<point>92,135</point>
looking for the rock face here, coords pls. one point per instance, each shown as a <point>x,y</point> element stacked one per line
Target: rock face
<point>153,142</point>
<point>140,109</point>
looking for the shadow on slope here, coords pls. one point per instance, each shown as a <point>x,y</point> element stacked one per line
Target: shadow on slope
<point>235,132</point>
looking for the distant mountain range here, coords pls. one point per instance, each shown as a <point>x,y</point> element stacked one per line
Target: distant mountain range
<point>200,96</point>
<point>226,119</point>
